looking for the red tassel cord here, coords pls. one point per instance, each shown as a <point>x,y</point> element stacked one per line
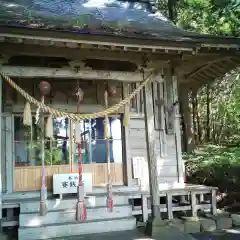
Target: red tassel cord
<point>81,211</point>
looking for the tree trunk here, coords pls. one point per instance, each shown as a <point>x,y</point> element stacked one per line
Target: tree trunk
<point>199,128</point>
<point>208,127</point>
<point>194,117</point>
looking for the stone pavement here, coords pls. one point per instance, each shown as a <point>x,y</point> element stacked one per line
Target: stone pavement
<point>126,235</point>
<point>231,234</point>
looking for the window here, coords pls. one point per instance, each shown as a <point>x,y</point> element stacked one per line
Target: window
<point>94,145</point>
<point>27,142</point>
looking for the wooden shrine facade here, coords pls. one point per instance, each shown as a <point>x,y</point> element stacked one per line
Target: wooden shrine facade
<point>175,68</point>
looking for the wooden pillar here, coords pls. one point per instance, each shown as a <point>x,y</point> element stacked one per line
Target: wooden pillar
<point>1,99</point>
<point>177,131</point>
<point>127,155</point>
<point>187,121</point>
<point>151,150</point>
<point>9,152</point>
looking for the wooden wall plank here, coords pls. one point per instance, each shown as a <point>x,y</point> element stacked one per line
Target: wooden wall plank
<point>28,178</point>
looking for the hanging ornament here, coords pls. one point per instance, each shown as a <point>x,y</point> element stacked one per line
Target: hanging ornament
<point>79,93</point>
<point>45,88</point>
<point>49,127</point>
<point>112,90</point>
<point>27,115</point>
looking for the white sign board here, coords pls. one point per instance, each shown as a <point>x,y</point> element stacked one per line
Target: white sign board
<point>68,182</point>
<point>137,166</point>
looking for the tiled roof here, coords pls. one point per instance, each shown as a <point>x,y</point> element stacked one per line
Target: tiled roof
<point>123,18</point>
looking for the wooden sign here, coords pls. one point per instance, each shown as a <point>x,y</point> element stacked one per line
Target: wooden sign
<point>67,183</point>
<point>137,166</point>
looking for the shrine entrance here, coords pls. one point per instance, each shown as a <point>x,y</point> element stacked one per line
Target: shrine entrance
<point>22,144</point>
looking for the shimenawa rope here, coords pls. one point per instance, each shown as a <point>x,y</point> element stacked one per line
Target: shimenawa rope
<point>72,116</point>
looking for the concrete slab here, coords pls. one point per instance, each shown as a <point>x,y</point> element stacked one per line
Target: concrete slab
<point>170,234</point>
<point>69,215</point>
<point>191,224</point>
<point>76,228</point>
<point>223,222</point>
<point>165,229</point>
<point>222,219</point>
<point>207,225</point>
<point>236,219</point>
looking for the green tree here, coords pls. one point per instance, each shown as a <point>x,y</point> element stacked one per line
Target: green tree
<point>218,17</point>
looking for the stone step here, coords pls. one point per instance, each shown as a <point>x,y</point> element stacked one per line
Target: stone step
<point>69,215</point>
<point>76,228</point>
<point>63,204</point>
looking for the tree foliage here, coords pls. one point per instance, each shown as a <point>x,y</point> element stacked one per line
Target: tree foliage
<point>219,17</point>
<point>215,107</point>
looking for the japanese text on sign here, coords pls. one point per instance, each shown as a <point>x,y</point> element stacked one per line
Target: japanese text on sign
<point>67,183</point>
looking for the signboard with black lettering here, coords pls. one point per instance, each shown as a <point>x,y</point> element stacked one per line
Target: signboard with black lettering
<point>68,182</point>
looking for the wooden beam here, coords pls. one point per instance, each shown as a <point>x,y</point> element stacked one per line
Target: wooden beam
<point>14,49</point>
<point>151,150</point>
<point>203,67</point>
<point>67,73</point>
<point>150,46</point>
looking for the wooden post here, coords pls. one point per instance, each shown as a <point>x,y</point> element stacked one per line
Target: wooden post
<point>213,202</point>
<point>128,160</point>
<point>9,153</point>
<point>1,98</point>
<point>144,208</point>
<point>193,204</point>
<point>187,121</point>
<point>71,145</point>
<point>151,151</point>
<point>177,131</point>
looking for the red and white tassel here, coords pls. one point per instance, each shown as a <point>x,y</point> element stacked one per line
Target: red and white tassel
<point>81,211</point>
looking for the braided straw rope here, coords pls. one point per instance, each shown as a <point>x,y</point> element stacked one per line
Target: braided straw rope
<point>72,116</point>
